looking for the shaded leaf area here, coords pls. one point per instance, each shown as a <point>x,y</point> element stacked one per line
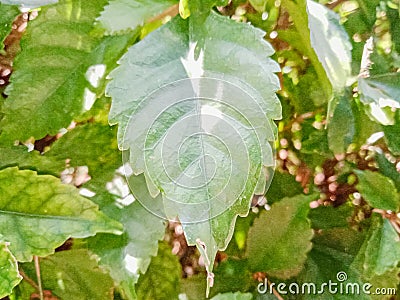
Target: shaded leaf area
<point>168,61</point>
<point>7,15</point>
<point>9,275</point>
<point>129,255</point>
<point>388,169</point>
<point>279,239</point>
<point>36,109</point>
<point>39,213</point>
<point>378,190</point>
<point>93,145</point>
<point>161,280</point>
<point>341,127</point>
<point>382,250</point>
<point>392,134</point>
<point>123,15</point>
<point>73,274</point>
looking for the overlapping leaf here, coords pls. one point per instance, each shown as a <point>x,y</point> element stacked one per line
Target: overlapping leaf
<point>49,84</point>
<point>382,94</point>
<point>330,43</point>
<point>231,53</point>
<point>378,190</point>
<point>9,275</point>
<point>38,213</point>
<point>128,256</point>
<point>122,15</point>
<point>279,240</point>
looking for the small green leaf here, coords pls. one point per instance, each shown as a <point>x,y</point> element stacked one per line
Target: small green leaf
<point>161,281</point>
<point>73,274</point>
<point>9,275</point>
<point>38,213</point>
<point>382,253</point>
<point>123,15</point>
<point>341,126</point>
<point>7,15</point>
<point>53,52</point>
<point>279,239</point>
<point>128,256</point>
<point>378,190</point>
<point>233,296</point>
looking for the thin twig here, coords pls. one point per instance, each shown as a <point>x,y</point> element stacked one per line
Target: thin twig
<point>29,280</point>
<point>39,280</point>
<point>171,11</point>
<point>332,5</point>
<point>274,291</point>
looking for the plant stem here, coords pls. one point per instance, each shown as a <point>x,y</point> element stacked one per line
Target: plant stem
<point>39,280</point>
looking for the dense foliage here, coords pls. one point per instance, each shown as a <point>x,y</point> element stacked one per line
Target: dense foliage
<point>90,210</point>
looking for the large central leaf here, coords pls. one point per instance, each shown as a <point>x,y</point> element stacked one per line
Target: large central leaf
<point>195,103</point>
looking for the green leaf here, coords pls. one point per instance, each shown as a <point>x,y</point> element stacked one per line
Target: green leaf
<point>382,252</point>
<point>73,274</point>
<point>161,281</point>
<point>61,49</point>
<point>128,256</point>
<point>171,65</point>
<point>122,15</point>
<point>378,190</point>
<point>38,213</point>
<point>382,94</point>
<point>9,275</point>
<point>328,217</point>
<point>29,3</point>
<point>341,126</point>
<point>330,43</point>
<point>302,41</point>
<point>7,15</point>
<point>388,169</point>
<point>19,156</point>
<point>279,239</point>
<point>233,296</point>
<point>392,134</point>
